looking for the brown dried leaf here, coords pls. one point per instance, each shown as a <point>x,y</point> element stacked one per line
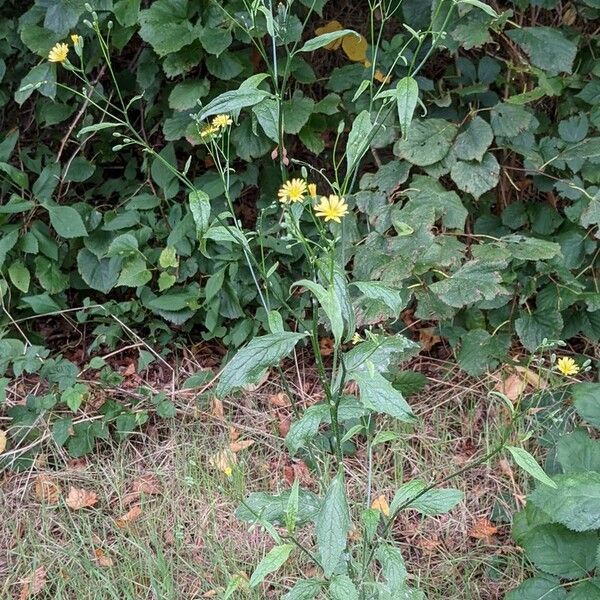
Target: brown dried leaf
<point>147,484</point>
<point>284,425</point>
<point>79,498</point>
<point>216,409</point>
<point>240,445</point>
<point>102,558</point>
<point>130,516</point>
<point>483,530</point>
<point>279,400</point>
<point>326,345</point>
<point>512,387</point>
<point>3,441</point>
<point>428,339</point>
<point>46,489</point>
<point>381,504</point>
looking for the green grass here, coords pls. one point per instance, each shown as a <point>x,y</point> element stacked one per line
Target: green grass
<point>187,542</point>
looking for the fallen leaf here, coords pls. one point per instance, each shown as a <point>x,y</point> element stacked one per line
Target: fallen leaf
<point>284,425</point>
<point>381,504</point>
<point>483,530</point>
<point>80,498</point>
<point>216,409</point>
<point>129,517</point>
<point>512,387</point>
<point>241,445</point>
<point>34,584</point>
<point>234,434</point>
<point>3,441</point>
<point>102,558</point>
<point>326,346</point>
<point>24,594</point>
<point>428,339</point>
<point>146,484</point>
<point>130,370</point>
<point>46,489</point>
<point>533,379</point>
<point>279,400</point>
<point>355,47</point>
<point>224,461</point>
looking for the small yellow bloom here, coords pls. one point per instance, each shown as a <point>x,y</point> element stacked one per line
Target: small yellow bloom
<point>567,366</point>
<point>58,53</point>
<point>356,339</point>
<point>75,38</point>
<point>209,131</point>
<point>228,471</point>
<point>222,121</point>
<point>332,208</point>
<point>381,505</point>
<point>312,190</point>
<point>292,191</point>
<point>224,461</point>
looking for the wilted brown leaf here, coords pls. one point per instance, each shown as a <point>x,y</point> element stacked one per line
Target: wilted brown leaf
<point>483,530</point>
<point>79,498</point>
<point>3,441</point>
<point>284,425</point>
<point>428,339</point>
<point>146,484</point>
<point>34,584</point>
<point>46,489</point>
<point>512,387</point>
<point>326,345</point>
<point>102,558</point>
<point>216,409</point>
<point>240,445</point>
<point>129,517</point>
<point>381,504</point>
<point>224,461</point>
<point>279,400</point>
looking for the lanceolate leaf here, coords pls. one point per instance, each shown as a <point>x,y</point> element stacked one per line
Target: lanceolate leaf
<point>251,362</point>
<point>407,95</point>
<point>332,525</point>
<point>232,102</point>
<point>358,139</point>
<point>270,563</point>
<point>326,38</point>
<point>529,464</point>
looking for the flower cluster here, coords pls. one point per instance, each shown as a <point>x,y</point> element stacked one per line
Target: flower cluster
<point>60,51</point>
<point>331,208</point>
<point>216,126</point>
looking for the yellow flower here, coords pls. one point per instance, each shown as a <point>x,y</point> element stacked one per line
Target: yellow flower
<point>356,339</point>
<point>292,191</point>
<point>222,121</point>
<point>75,38</point>
<point>224,461</point>
<point>58,53</point>
<point>332,208</point>
<point>209,131</point>
<point>312,190</point>
<point>567,366</point>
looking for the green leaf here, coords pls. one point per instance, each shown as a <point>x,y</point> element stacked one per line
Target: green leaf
<point>391,297</point>
<point>134,273</point>
<point>332,525</point>
<point>508,120</point>
<point>427,141</point>
<point>250,363</point>
<point>326,38</point>
<point>575,502</point>
<point>185,95</point>
<point>233,101</point>
<point>66,221</point>
<point>474,281</point>
<point>378,394</point>
<point>342,588</point>
<point>533,328</point>
<point>378,352</point>
<point>74,396</point>
<point>329,302</point>
<point>560,551</point>
<point>407,95</point>
<point>61,430</point>
<point>392,566</point>
<point>587,401</point>
<point>42,78</point>
<point>577,452</point>
<point>475,177</point>
<point>123,245</point>
<point>432,502</point>
<point>358,139</point>
<point>270,563</point>
<point>588,148</point>
<point>19,275</point>
<point>165,26</point>
<point>542,587</point>
<point>486,8</point>
<point>481,351</point>
<point>307,589</point>
<point>200,208</point>
<point>168,258</point>
<point>272,508</point>
<point>547,48</point>
<point>472,143</point>
<point>530,248</point>
<point>306,428</point>
<point>530,465</point>
<point>586,590</point>
<point>99,274</point>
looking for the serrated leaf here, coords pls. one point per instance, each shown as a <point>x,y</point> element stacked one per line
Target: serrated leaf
<point>472,143</point>
<point>481,351</point>
<point>533,328</point>
<point>304,590</point>
<point>392,566</point>
<point>99,274</point>
<point>427,141</point>
<point>251,362</point>
<point>332,526</point>
<point>475,177</point>
<point>341,587</point>
<point>185,95</point>
<point>575,502</point>
<point>200,208</point>
<point>66,221</point>
<point>508,120</point>
<point>374,290</point>
<point>232,102</point>
<point>165,26</point>
<point>272,508</point>
<point>577,452</point>
<point>542,587</point>
<point>306,428</point>
<point>270,563</point>
<point>587,401</point>
<point>432,502</point>
<point>530,465</point>
<point>378,394</point>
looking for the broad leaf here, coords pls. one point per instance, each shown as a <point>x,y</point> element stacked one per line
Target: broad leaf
<point>304,590</point>
<point>342,588</point>
<point>272,508</point>
<point>472,143</point>
<point>270,563</point>
<point>542,587</point>
<point>474,177</point>
<point>587,401</point>
<point>66,221</point>
<point>427,142</point>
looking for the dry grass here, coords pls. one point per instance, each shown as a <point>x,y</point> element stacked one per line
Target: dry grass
<point>187,542</point>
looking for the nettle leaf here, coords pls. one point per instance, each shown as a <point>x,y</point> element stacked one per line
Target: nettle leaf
<point>586,590</point>
<point>474,281</point>
<point>378,352</point>
<point>475,177</point>
<point>306,428</point>
<point>481,351</point>
<point>530,465</point>
<point>542,587</point>
<point>378,394</point>
<point>332,525</point>
<point>547,48</point>
<point>533,328</point>
<point>530,248</point>
<point>304,590</point>
<point>272,508</point>
<point>271,562</point>
<point>577,452</point>
<point>251,362</point>
<point>472,143</point>
<point>342,588</point>
<point>587,401</point>
<point>392,565</point>
<point>165,26</point>
<point>427,141</point>
<point>66,221</point>
<point>407,95</point>
<point>559,551</point>
<point>374,290</point>
<point>575,502</point>
<point>431,503</point>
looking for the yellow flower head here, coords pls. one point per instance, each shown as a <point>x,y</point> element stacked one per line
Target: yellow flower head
<point>208,131</point>
<point>222,121</point>
<point>312,190</point>
<point>332,208</point>
<point>75,38</point>
<point>58,53</point>
<point>292,191</point>
<point>356,339</point>
<point>567,366</point>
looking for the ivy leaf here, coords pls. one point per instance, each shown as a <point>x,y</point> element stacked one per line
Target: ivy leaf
<point>251,362</point>
<point>407,95</point>
<point>332,525</point>
<point>530,465</point>
<point>575,502</point>
<point>66,221</point>
<point>547,48</point>
<point>472,143</point>
<point>474,177</point>
<point>165,26</point>
<point>474,281</point>
<point>427,141</point>
<point>270,563</point>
